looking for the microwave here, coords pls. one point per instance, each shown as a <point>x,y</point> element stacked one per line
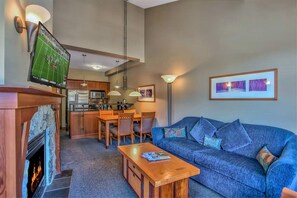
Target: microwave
<point>97,94</point>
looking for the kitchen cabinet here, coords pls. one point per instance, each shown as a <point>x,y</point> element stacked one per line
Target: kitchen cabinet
<point>73,84</point>
<point>76,85</point>
<point>91,124</point>
<point>92,85</point>
<point>83,124</point>
<point>102,86</point>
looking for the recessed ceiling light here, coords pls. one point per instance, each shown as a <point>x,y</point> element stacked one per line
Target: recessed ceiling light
<point>97,67</point>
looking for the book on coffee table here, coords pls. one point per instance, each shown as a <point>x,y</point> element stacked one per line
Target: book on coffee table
<point>155,156</point>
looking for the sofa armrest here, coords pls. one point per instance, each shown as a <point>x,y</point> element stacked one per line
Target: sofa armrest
<point>158,134</point>
<point>283,172</point>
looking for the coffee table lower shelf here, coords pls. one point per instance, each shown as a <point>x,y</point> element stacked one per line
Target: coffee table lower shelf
<point>144,188</point>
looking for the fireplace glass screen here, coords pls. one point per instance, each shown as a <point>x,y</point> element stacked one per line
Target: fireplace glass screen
<point>35,171</point>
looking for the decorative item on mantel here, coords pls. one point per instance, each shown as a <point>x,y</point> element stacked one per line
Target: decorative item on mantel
<point>169,79</point>
<point>256,85</point>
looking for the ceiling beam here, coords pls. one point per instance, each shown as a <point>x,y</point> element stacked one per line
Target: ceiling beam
<point>80,49</point>
<point>120,68</point>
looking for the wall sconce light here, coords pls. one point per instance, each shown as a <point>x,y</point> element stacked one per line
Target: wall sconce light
<point>169,79</point>
<point>34,14</point>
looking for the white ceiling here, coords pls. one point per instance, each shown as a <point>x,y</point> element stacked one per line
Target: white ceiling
<point>105,62</point>
<point>150,3</point>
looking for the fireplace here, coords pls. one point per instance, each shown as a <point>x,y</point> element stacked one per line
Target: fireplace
<point>36,166</point>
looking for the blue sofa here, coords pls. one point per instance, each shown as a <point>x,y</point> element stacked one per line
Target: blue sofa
<point>238,173</point>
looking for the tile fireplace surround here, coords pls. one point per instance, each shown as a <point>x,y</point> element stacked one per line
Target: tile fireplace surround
<point>21,110</point>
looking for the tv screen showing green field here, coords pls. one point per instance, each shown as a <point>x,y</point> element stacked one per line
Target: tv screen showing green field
<point>50,60</point>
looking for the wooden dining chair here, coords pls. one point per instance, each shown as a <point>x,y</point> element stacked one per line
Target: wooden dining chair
<point>124,128</point>
<point>145,126</point>
<point>104,113</point>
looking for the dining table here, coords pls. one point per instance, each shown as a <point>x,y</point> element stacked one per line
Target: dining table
<point>107,120</point>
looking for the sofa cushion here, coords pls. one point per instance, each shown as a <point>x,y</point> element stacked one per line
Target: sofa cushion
<point>265,135</point>
<point>202,128</point>
<point>242,169</point>
<point>181,147</point>
<point>233,136</point>
<point>225,186</point>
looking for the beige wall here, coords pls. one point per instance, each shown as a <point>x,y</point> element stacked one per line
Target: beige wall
<point>99,25</point>
<point>87,75</point>
<point>196,39</point>
<point>16,57</point>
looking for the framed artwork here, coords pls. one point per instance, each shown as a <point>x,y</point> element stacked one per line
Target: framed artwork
<point>147,93</point>
<point>256,85</point>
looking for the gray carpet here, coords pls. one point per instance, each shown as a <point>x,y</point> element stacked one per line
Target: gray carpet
<point>97,171</point>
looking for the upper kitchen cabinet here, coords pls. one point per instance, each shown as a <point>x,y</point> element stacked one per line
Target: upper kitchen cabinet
<point>73,84</point>
<point>102,86</point>
<point>93,85</point>
<point>76,85</point>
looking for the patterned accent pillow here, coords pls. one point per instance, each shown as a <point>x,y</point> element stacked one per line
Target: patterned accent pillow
<point>202,128</point>
<point>174,132</point>
<point>212,142</point>
<point>265,158</point>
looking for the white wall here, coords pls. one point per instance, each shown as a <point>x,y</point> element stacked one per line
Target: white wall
<point>99,25</point>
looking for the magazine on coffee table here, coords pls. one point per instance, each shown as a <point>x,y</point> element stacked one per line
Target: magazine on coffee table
<point>155,156</point>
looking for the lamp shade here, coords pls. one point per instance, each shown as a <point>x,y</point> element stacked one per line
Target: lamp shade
<point>114,93</point>
<point>36,13</point>
<point>135,94</point>
<point>169,78</point>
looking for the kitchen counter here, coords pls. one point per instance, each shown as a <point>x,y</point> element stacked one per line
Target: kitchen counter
<point>83,124</point>
<point>83,110</point>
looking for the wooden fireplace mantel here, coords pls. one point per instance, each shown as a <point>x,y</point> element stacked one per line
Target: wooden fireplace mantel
<point>18,104</point>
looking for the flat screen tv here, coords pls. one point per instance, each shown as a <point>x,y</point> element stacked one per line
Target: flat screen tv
<point>49,60</point>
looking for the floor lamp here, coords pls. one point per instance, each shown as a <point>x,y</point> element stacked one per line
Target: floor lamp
<point>169,80</point>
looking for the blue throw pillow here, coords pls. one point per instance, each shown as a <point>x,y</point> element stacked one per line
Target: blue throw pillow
<point>212,142</point>
<point>202,127</point>
<point>233,136</point>
<point>174,132</point>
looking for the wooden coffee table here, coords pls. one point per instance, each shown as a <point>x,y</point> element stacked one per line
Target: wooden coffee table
<point>167,178</point>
